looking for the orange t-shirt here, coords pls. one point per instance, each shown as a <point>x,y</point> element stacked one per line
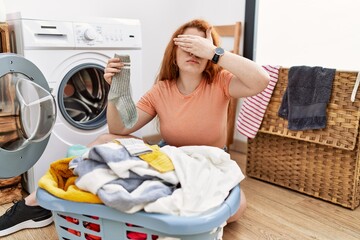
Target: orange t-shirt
<point>199,118</point>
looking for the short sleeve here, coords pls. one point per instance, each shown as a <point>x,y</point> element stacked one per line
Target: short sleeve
<point>224,79</point>
<point>146,102</point>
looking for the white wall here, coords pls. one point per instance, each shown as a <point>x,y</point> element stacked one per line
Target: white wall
<point>159,19</point>
<point>307,32</point>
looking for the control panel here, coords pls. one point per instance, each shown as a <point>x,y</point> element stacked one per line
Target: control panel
<point>105,35</point>
<point>76,33</point>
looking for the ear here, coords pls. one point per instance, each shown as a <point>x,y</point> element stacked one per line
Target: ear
<point>208,34</point>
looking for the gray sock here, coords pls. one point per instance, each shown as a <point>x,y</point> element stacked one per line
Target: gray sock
<point>120,94</point>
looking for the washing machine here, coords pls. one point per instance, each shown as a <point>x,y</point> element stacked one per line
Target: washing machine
<point>72,55</point>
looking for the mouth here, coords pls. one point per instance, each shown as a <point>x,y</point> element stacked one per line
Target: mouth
<point>192,61</point>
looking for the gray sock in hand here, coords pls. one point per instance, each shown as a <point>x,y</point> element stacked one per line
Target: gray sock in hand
<point>120,94</point>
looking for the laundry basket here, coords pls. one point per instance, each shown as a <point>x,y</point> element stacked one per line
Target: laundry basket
<point>72,220</point>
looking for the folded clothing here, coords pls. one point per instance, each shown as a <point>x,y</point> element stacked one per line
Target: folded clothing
<point>158,160</point>
<point>134,146</point>
<point>305,100</point>
<point>59,180</point>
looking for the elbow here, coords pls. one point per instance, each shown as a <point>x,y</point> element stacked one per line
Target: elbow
<point>116,130</point>
<point>264,80</point>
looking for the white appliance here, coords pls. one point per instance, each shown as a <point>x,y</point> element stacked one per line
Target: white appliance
<point>72,54</point>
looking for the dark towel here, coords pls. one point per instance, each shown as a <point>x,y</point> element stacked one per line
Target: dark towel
<point>306,97</point>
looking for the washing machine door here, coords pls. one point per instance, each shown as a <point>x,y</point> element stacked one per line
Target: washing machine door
<point>27,114</point>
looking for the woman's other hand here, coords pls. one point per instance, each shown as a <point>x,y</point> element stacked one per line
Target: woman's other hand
<point>201,47</point>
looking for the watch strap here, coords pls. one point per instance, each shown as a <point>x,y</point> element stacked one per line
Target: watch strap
<point>215,58</point>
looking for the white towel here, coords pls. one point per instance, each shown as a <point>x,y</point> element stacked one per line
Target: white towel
<point>253,108</point>
<point>206,174</point>
<point>356,86</point>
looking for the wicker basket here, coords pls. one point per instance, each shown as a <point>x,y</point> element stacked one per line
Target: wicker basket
<point>10,189</point>
<point>321,163</point>
<point>4,38</point>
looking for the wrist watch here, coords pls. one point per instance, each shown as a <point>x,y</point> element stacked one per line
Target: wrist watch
<point>218,53</point>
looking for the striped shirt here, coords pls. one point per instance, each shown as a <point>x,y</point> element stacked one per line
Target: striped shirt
<point>253,108</point>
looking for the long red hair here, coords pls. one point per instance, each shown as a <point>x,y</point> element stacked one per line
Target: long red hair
<point>169,69</point>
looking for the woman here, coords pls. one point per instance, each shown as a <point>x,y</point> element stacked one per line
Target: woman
<point>191,93</point>
<point>190,98</point>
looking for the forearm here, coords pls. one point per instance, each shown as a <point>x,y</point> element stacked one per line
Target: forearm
<point>114,121</point>
<point>250,78</point>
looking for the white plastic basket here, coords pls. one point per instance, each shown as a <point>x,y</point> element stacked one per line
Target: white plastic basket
<point>72,220</point>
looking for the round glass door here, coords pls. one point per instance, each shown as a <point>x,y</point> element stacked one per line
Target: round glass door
<point>27,112</point>
<point>82,97</point>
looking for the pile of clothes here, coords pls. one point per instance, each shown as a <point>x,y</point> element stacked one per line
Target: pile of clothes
<point>197,178</point>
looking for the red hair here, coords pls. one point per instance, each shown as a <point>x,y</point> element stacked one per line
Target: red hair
<point>169,69</point>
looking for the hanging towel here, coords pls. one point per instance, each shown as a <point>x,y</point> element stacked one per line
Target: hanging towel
<point>253,108</point>
<point>306,97</point>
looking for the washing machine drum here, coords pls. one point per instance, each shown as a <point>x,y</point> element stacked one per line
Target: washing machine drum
<point>27,114</point>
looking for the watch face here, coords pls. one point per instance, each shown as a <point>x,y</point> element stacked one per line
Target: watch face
<point>219,51</point>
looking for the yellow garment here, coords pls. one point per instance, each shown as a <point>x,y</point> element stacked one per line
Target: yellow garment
<point>60,182</point>
<point>158,160</point>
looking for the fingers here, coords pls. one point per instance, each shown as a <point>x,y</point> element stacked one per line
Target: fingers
<point>113,66</point>
<point>187,47</point>
<point>183,36</point>
<point>185,42</point>
<point>114,63</point>
<point>189,41</point>
<point>198,46</point>
<point>108,77</point>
